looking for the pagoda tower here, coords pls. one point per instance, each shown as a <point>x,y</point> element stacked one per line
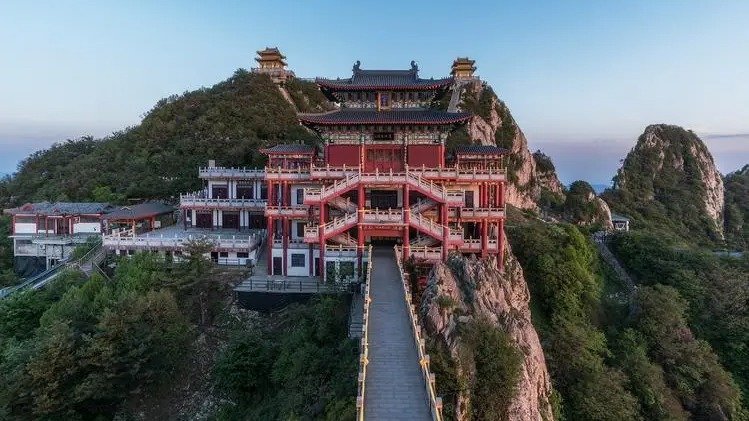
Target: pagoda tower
<point>463,68</point>
<point>272,63</point>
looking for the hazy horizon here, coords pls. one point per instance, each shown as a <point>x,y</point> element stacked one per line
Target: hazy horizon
<point>582,79</point>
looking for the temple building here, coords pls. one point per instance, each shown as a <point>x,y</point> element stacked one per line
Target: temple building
<point>379,173</point>
<point>463,68</point>
<point>46,233</point>
<point>272,63</point>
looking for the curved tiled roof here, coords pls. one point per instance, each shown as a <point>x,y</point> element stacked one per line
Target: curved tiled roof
<point>61,208</point>
<point>139,211</point>
<point>372,116</point>
<point>384,79</point>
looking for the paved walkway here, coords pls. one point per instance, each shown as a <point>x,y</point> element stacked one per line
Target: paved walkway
<point>395,388</point>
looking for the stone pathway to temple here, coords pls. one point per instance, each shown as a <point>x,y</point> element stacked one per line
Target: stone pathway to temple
<point>395,387</point>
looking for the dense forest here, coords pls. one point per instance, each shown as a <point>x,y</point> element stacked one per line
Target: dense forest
<point>92,348</point>
<point>158,158</point>
<point>658,354</point>
<point>736,213</point>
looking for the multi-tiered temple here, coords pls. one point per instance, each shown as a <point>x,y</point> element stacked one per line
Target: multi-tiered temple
<point>382,174</point>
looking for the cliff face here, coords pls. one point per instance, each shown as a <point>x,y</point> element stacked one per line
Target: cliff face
<point>670,176</point>
<point>492,124</point>
<point>477,290</point>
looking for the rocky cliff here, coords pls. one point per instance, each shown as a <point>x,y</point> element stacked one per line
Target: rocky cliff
<point>669,178</point>
<point>492,124</point>
<point>465,291</point>
<point>583,207</point>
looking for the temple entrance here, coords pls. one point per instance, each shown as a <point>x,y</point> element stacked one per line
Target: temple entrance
<point>384,159</point>
<point>277,266</point>
<point>384,199</point>
<point>204,220</point>
<point>230,220</point>
<point>220,192</point>
<point>384,241</point>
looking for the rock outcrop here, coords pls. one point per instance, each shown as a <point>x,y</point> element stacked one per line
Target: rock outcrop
<point>492,124</point>
<point>672,167</point>
<point>583,207</point>
<point>737,208</point>
<point>475,289</point>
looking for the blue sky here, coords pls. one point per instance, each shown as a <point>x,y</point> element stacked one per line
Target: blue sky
<point>582,78</point>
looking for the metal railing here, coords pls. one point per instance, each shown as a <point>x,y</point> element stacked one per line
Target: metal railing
<point>434,402</point>
<point>364,342</point>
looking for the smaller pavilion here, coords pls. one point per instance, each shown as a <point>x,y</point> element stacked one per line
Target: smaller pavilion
<point>273,63</point>
<point>138,219</point>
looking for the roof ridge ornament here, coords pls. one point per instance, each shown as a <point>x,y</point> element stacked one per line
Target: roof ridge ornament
<point>357,65</point>
<point>414,66</point>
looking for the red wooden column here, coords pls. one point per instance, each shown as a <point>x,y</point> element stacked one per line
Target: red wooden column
<point>311,260</point>
<point>502,194</point>
<point>285,237</point>
<point>360,228</point>
<point>271,233</point>
<point>445,230</point>
<point>484,237</point>
<point>321,238</point>
<point>501,244</point>
<point>406,222</point>
<point>270,193</point>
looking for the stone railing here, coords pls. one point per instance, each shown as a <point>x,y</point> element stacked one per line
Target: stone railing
<point>426,252</point>
<point>300,211</point>
<point>199,199</point>
<point>364,342</point>
<point>178,242</point>
<point>231,173</point>
<point>446,173</point>
<point>435,402</point>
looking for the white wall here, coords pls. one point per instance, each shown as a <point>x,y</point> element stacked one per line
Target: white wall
<point>25,228</point>
<point>296,271</point>
<point>86,228</point>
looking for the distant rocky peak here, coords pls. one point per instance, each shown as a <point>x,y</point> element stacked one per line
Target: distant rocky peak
<point>672,165</point>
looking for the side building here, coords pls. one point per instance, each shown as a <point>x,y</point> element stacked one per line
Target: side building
<point>227,212</point>
<point>46,233</point>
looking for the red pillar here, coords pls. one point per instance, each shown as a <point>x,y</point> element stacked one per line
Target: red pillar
<point>406,222</point>
<point>502,194</point>
<point>271,233</point>
<point>484,237</point>
<point>501,244</point>
<point>359,228</point>
<point>321,238</point>
<point>285,235</point>
<point>445,230</point>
